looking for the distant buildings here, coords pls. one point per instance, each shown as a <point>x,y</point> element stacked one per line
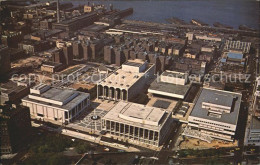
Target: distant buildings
<point>51,67</point>
<point>126,48</point>
<point>237,45</point>
<point>202,36</point>
<point>253,134</point>
<point>5,62</point>
<point>63,55</point>
<point>88,9</point>
<point>11,39</point>
<point>32,46</point>
<point>76,23</point>
<point>193,66</point>
<point>215,114</point>
<point>138,124</point>
<point>192,51</point>
<point>15,127</point>
<point>14,53</point>
<point>127,82</point>
<point>14,91</point>
<point>54,104</point>
<point>233,58</point>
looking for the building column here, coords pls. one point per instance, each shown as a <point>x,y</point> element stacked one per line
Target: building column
<point>108,93</point>
<point>115,94</point>
<point>114,127</point>
<point>103,92</point>
<point>148,135</point>
<point>97,91</point>
<point>110,126</point>
<point>138,133</point>
<point>158,139</point>
<point>119,128</point>
<point>124,130</point>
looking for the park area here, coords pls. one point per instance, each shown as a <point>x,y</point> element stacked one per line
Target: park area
<point>51,148</point>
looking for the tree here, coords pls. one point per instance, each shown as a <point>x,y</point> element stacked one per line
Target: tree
<point>82,148</point>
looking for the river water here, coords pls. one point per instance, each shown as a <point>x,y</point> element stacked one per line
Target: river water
<point>229,12</point>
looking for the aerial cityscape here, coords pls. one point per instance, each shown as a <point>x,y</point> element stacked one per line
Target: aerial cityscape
<point>129,82</point>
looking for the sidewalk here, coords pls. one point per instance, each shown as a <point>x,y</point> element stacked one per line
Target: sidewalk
<point>97,140</point>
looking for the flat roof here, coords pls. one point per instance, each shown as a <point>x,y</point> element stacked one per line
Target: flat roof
<point>51,64</point>
<point>235,55</point>
<point>11,87</point>
<point>58,94</point>
<point>169,88</point>
<point>94,28</point>
<point>219,97</point>
<point>138,115</point>
<point>123,79</point>
<point>72,20</point>
<point>174,74</point>
<point>133,63</point>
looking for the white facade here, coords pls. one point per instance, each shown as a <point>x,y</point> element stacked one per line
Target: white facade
<point>138,124</point>
<point>126,82</point>
<point>215,114</point>
<point>55,104</point>
<point>218,130</point>
<point>174,77</point>
<point>207,38</point>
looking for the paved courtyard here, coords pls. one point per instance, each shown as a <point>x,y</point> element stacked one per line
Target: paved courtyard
<point>86,123</point>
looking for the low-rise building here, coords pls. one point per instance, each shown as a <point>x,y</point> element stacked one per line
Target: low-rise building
<point>171,84</point>
<point>215,114</point>
<point>206,56</point>
<point>55,104</point>
<point>238,45</point>
<point>88,9</point>
<point>201,36</point>
<point>32,47</point>
<point>51,67</point>
<point>138,124</point>
<point>77,22</point>
<point>11,39</point>
<point>13,92</point>
<point>233,58</point>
